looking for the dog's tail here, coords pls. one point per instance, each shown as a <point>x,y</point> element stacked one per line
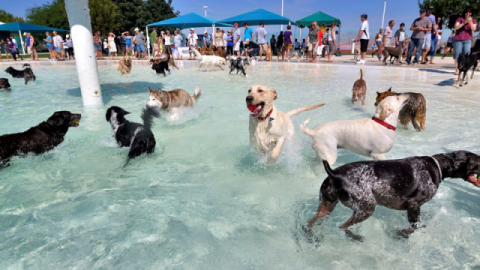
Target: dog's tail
<point>304,109</point>
<point>328,169</point>
<point>361,74</point>
<point>197,94</point>
<point>305,129</point>
<point>147,117</point>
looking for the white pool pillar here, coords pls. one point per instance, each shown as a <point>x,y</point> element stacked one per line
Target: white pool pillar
<point>85,56</point>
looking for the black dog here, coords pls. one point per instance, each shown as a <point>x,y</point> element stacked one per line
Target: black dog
<point>4,84</point>
<point>38,139</point>
<point>138,137</point>
<point>465,62</point>
<point>239,64</point>
<point>26,73</point>
<point>160,65</point>
<point>403,184</point>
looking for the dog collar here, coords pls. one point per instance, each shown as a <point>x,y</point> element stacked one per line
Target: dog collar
<point>384,123</point>
<point>266,116</point>
<point>439,168</point>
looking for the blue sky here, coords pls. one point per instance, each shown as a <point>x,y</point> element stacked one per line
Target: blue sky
<point>348,11</point>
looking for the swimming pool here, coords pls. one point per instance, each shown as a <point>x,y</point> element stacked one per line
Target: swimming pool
<point>202,200</point>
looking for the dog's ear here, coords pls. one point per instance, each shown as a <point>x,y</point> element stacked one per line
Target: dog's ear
<point>389,89</point>
<point>378,93</point>
<point>151,90</point>
<point>274,92</point>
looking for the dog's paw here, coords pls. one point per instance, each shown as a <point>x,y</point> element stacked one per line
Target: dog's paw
<point>353,236</point>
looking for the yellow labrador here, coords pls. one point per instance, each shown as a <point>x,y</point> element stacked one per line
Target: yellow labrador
<point>269,127</point>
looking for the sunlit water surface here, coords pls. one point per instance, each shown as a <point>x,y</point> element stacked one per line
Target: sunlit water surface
<point>202,200</point>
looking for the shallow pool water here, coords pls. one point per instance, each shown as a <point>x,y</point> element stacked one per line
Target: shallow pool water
<point>202,200</point>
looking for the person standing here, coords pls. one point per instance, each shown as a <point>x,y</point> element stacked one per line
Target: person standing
<point>248,32</point>
<point>272,45</point>
<point>168,44</point>
<point>11,47</point>
<point>33,47</point>
<point>192,42</point>
<point>218,41</point>
<point>363,36</point>
<point>58,45</point>
<point>230,43</point>
<point>427,44</point>
<point>400,35</point>
<point>69,45</point>
<point>387,34</point>
<point>112,47</point>
<point>280,45</point>
<point>462,41</point>
<point>154,42</point>
<point>128,43</point>
<point>261,35</point>
<point>97,43</point>
<point>436,37</point>
<point>331,41</point>
<point>420,27</point>
<point>16,47</point>
<point>4,48</point>
<point>288,40</point>
<point>139,40</point>
<point>178,39</point>
<point>236,39</point>
<point>312,42</point>
<point>449,46</point>
<point>105,47</point>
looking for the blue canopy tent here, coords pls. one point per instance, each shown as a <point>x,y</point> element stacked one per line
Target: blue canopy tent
<point>258,16</point>
<point>26,27</point>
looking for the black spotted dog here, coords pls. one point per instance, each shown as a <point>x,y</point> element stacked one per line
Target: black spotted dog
<point>26,73</point>
<point>402,184</point>
<point>239,64</point>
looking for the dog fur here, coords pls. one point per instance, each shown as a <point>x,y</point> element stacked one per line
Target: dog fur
<point>209,60</point>
<point>239,64</point>
<point>359,91</point>
<point>38,139</point>
<point>170,60</point>
<point>138,137</point>
<point>356,53</point>
<point>269,127</point>
<point>299,54</point>
<point>414,110</point>
<point>170,100</point>
<point>4,84</point>
<point>364,136</point>
<point>26,73</point>
<point>125,65</point>
<point>465,63</point>
<point>402,184</point>
<point>394,52</point>
<point>160,66</point>
<point>268,53</point>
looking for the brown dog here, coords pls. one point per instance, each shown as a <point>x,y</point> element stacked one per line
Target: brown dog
<point>415,108</point>
<point>356,53</point>
<point>268,53</point>
<point>125,65</point>
<point>359,89</point>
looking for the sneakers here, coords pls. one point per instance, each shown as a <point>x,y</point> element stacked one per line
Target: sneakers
<point>361,61</point>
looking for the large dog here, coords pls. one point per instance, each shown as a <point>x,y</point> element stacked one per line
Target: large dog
<point>4,84</point>
<point>395,52</point>
<point>239,64</point>
<point>209,60</point>
<point>370,137</point>
<point>138,137</point>
<point>125,65</point>
<point>38,139</point>
<point>359,90</point>
<point>402,184</point>
<point>26,73</point>
<point>465,63</point>
<point>415,109</point>
<point>269,127</point>
<point>170,100</point>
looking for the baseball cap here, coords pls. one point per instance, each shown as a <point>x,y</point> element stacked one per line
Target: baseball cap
<point>68,35</point>
<point>191,29</point>
<point>235,24</point>
<point>364,16</point>
<point>136,29</point>
<point>423,10</point>
<point>430,7</point>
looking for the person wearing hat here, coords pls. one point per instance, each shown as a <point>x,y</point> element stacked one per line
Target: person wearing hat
<point>192,42</point>
<point>206,40</point>
<point>229,42</point>
<point>427,43</point>
<point>154,41</point>
<point>462,41</point>
<point>420,27</point>
<point>139,40</point>
<point>363,36</point>
<point>69,47</point>
<point>251,49</point>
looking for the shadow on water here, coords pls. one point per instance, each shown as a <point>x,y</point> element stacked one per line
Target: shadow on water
<point>109,90</point>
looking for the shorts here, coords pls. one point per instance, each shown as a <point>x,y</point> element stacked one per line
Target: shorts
<point>449,45</point>
<point>29,50</point>
<point>388,42</point>
<point>288,46</point>
<point>97,47</point>
<point>378,42</point>
<point>58,49</point>
<point>168,49</point>
<point>427,43</point>
<point>140,47</point>
<point>312,46</point>
<point>128,46</point>
<point>363,45</point>
<point>236,48</point>
<point>154,47</point>
<point>123,48</point>
<point>176,52</point>
<point>331,47</point>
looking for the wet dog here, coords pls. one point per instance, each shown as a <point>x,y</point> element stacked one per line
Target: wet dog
<point>170,100</point>
<point>38,139</point>
<point>26,73</point>
<point>465,63</point>
<point>394,52</point>
<point>269,127</point>
<point>415,108</point>
<point>138,137</point>
<point>370,137</point>
<point>239,64</point>
<point>160,66</point>
<point>359,89</point>
<point>402,184</point>
<point>4,84</point>
<point>209,60</point>
<point>125,65</point>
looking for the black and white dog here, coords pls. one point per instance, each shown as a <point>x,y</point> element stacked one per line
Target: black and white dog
<point>239,64</point>
<point>26,73</point>
<point>160,65</point>
<point>138,137</point>
<point>465,63</point>
<point>4,84</point>
<point>402,184</point>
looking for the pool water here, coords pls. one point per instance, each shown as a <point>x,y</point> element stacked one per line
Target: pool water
<point>203,200</point>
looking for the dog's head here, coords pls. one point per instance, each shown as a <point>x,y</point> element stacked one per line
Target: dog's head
<point>11,71</point>
<point>405,42</point>
<point>383,95</point>
<point>127,61</point>
<point>26,65</point>
<point>462,61</point>
<point>4,84</point>
<point>260,98</point>
<point>155,99</point>
<point>390,105</point>
<point>461,164</point>
<point>116,114</point>
<point>62,120</point>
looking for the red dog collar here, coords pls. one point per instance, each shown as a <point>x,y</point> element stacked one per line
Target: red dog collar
<point>384,124</point>
<point>266,116</point>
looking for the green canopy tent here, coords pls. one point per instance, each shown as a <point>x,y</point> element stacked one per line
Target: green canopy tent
<point>320,18</point>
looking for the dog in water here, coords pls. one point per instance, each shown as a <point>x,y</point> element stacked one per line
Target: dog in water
<point>415,109</point>
<point>4,84</point>
<point>239,64</point>
<point>160,66</point>
<point>26,73</point>
<point>171,100</point>
<point>270,128</point>
<point>125,65</point>
<point>138,137</point>
<point>209,60</point>
<point>465,63</point>
<point>38,139</point>
<point>402,184</point>
<point>359,91</point>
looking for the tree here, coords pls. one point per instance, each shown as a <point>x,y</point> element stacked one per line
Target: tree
<point>104,15</point>
<point>157,10</point>
<point>449,10</point>
<point>130,11</point>
<point>6,17</point>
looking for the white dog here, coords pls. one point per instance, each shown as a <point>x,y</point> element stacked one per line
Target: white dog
<point>269,128</point>
<point>371,137</point>
<point>209,60</point>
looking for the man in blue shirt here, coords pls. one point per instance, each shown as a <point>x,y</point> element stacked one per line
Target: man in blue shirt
<point>248,32</point>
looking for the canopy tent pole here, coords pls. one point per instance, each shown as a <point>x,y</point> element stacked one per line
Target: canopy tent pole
<point>148,42</point>
<point>21,41</point>
<point>78,14</point>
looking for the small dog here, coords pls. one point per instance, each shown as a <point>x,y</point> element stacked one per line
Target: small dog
<point>281,52</point>
<point>170,100</point>
<point>415,109</point>
<point>268,53</point>
<point>269,127</point>
<point>125,65</point>
<point>239,64</point>
<point>170,60</point>
<point>466,62</point>
<point>370,137</point>
<point>356,53</point>
<point>4,84</point>
<point>26,73</point>
<point>394,52</point>
<point>299,54</point>
<point>138,137</point>
<point>402,184</point>
<point>38,139</point>
<point>160,66</point>
<point>359,91</point>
